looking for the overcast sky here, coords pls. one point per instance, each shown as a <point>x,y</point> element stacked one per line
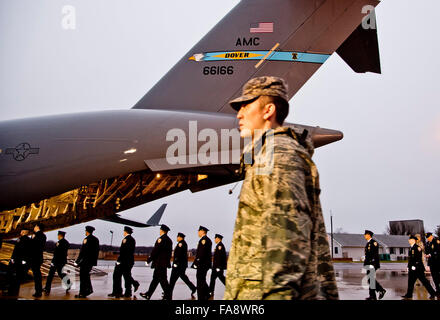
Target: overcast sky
<point>385,168</point>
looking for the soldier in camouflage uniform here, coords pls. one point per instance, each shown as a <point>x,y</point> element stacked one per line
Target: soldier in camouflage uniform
<point>279,248</point>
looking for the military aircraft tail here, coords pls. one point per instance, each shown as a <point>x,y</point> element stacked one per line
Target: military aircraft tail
<point>286,38</point>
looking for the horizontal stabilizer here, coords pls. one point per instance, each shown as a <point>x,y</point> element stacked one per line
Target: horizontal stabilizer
<point>117,219</point>
<point>153,221</point>
<point>361,50</point>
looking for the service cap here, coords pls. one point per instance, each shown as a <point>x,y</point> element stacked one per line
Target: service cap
<point>261,86</point>
<point>369,232</point>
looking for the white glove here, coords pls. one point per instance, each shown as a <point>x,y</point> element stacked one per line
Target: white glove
<point>52,265</point>
<point>75,264</point>
<point>146,263</point>
<point>12,261</point>
<point>195,267</point>
<point>413,268</point>
<point>175,265</point>
<point>23,262</point>
<point>218,270</point>
<point>118,263</point>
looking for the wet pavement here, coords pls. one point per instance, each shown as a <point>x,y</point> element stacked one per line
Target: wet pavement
<point>350,277</point>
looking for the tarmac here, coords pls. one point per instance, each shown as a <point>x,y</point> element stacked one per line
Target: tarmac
<point>350,279</point>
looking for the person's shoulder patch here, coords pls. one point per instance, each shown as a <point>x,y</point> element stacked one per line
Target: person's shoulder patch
<point>180,244</point>
<point>219,247</point>
<point>159,240</point>
<point>85,241</point>
<point>124,241</point>
<point>203,241</point>
<point>420,249</point>
<point>375,243</point>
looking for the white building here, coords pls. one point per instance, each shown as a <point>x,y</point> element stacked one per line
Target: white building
<point>349,245</point>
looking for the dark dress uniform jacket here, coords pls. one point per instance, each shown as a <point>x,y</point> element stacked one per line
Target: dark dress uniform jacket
<point>161,254</point>
<point>22,250</point>
<point>203,255</point>
<point>433,248</point>
<point>126,252</point>
<point>60,253</point>
<point>38,243</point>
<point>219,257</point>
<point>415,259</point>
<point>181,255</point>
<point>372,254</point>
<point>88,255</point>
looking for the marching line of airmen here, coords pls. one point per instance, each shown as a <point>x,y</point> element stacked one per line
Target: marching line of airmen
<point>28,254</point>
<point>416,268</point>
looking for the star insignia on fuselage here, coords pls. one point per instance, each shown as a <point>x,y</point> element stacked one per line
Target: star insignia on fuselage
<point>22,151</point>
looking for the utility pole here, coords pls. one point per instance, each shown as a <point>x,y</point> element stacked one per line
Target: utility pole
<point>331,230</point>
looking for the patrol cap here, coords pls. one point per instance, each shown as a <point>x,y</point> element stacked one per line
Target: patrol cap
<point>90,229</point>
<point>203,228</point>
<point>218,236</point>
<point>128,229</point>
<point>261,86</point>
<point>413,237</point>
<point>164,227</point>
<point>62,233</point>
<point>369,232</point>
<point>428,234</point>
<point>180,234</point>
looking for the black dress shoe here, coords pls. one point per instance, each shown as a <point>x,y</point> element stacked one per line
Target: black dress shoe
<point>114,295</point>
<point>46,292</point>
<point>127,295</point>
<point>382,293</point>
<point>370,298</point>
<point>145,295</point>
<point>135,286</point>
<point>432,297</point>
<point>37,295</point>
<point>405,297</point>
<point>80,296</point>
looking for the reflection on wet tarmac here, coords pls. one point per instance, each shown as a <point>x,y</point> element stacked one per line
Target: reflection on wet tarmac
<point>351,283</point>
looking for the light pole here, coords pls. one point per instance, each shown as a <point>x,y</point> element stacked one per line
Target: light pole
<point>331,230</point>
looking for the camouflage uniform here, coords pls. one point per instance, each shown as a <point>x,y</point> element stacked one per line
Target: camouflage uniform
<point>279,248</point>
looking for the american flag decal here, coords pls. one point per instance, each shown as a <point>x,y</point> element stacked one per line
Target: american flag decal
<point>261,27</point>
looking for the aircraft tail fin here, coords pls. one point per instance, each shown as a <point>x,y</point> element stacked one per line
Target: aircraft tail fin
<point>361,50</point>
<point>285,38</point>
<point>155,218</point>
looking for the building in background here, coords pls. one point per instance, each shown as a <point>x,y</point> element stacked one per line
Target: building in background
<point>349,246</point>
